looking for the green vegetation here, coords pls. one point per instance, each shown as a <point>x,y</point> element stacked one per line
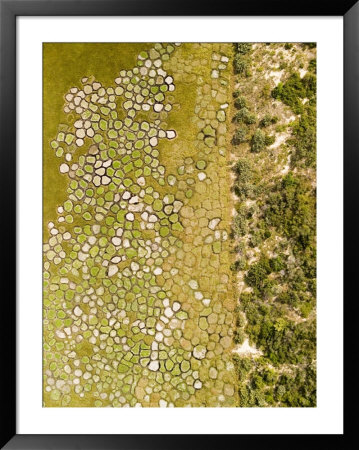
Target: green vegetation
<point>245,116</point>
<point>267,387</point>
<point>241,65</point>
<point>268,120</point>
<point>240,136</point>
<point>243,47</point>
<point>274,229</point>
<point>260,141</point>
<point>240,102</point>
<point>310,45</point>
<point>294,90</point>
<point>291,207</point>
<point>293,93</point>
<point>241,62</point>
<point>245,185</point>
<point>312,66</point>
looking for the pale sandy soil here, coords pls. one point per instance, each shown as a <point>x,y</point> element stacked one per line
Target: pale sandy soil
<point>302,72</point>
<point>290,119</point>
<point>246,349</point>
<point>276,76</point>
<point>280,138</point>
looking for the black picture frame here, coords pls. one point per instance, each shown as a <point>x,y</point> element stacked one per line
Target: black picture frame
<point>9,11</point>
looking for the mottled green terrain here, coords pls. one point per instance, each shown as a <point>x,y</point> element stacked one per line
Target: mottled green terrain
<point>138,299</point>
<point>179,225</point>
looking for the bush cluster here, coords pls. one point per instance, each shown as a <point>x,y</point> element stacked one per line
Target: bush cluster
<point>292,93</point>
<point>260,141</point>
<point>241,62</point>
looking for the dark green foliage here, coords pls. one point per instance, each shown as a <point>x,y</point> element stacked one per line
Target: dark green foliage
<point>295,89</point>
<point>240,102</point>
<point>257,274</point>
<point>244,186</point>
<point>288,46</point>
<point>244,116</point>
<point>310,44</point>
<point>291,93</point>
<point>242,47</point>
<point>243,170</point>
<point>300,389</point>
<point>305,134</point>
<point>240,264</point>
<point>268,120</point>
<point>239,336</point>
<point>240,136</point>
<point>240,64</point>
<point>259,233</point>
<point>260,385</point>
<point>269,140</point>
<point>284,341</point>
<point>312,66</point>
<point>291,209</point>
<point>258,141</point>
<point>310,83</point>
<point>240,222</point>
<point>277,264</point>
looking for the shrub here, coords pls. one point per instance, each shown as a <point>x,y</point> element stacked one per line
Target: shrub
<point>310,84</point>
<point>239,336</point>
<point>243,47</point>
<point>245,116</point>
<point>277,264</point>
<point>291,208</point>
<point>256,239</point>
<point>280,128</point>
<point>291,92</point>
<point>295,89</point>
<point>258,273</point>
<point>243,186</point>
<point>243,170</point>
<point>240,264</point>
<point>268,120</point>
<point>240,136</point>
<point>305,141</point>
<point>241,65</point>
<point>251,119</point>
<point>240,102</point>
<point>269,140</point>
<point>312,66</point>
<point>258,141</point>
<point>240,223</point>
